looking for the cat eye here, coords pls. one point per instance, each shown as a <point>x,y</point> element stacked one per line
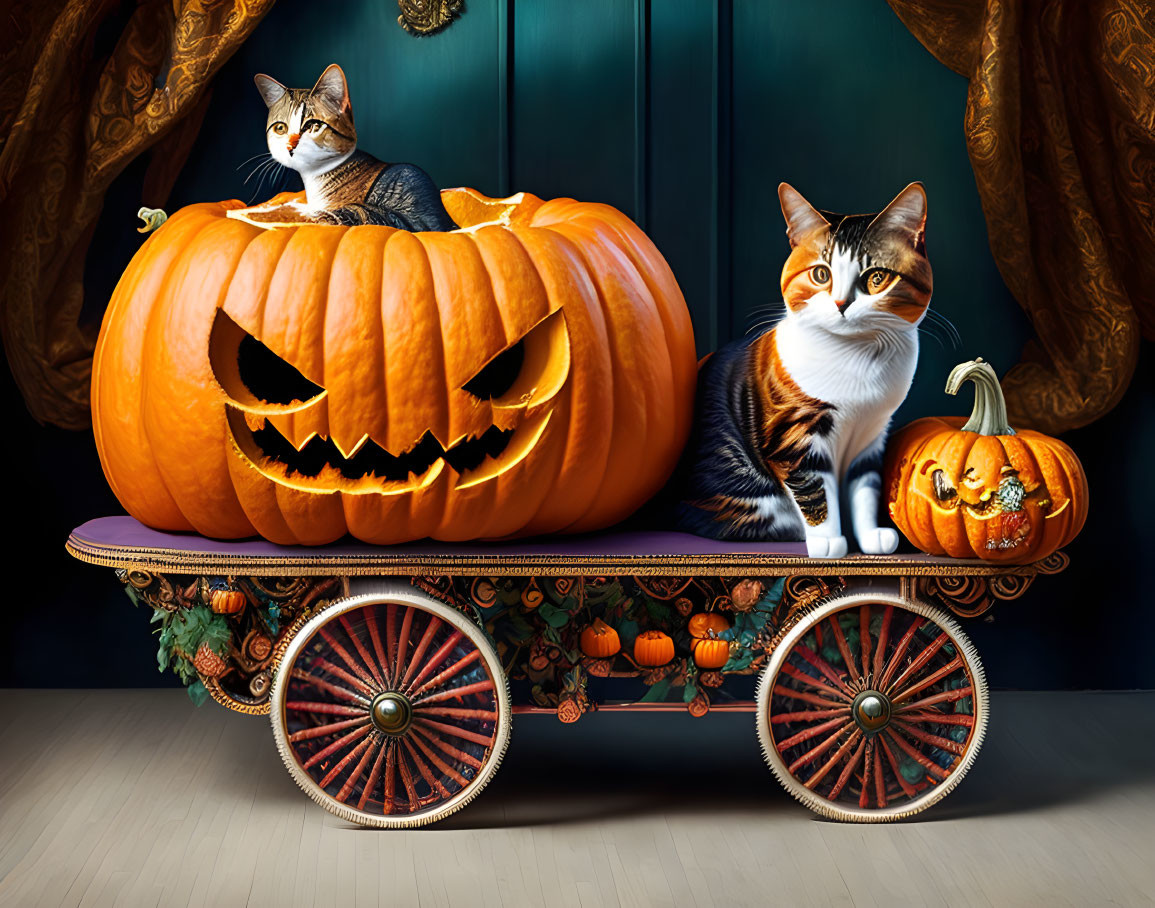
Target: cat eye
<point>820,274</point>
<point>877,280</point>
<point>280,128</point>
<point>314,126</point>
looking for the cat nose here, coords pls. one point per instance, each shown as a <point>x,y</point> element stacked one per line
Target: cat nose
<point>293,140</point>
<point>842,304</point>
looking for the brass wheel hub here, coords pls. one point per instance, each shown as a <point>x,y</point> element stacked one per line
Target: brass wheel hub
<point>391,712</point>
<point>871,710</point>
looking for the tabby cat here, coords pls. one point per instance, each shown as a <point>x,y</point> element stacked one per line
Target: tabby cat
<point>311,131</point>
<point>788,416</point>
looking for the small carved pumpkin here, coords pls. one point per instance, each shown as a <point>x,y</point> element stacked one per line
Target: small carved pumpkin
<point>711,653</point>
<point>979,488</point>
<point>532,372</point>
<point>600,641</point>
<point>653,648</point>
<point>227,602</point>
<point>707,624</point>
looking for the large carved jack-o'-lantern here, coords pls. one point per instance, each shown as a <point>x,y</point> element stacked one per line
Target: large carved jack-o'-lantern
<point>532,372</point>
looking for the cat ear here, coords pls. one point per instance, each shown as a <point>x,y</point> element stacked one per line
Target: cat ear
<point>801,217</point>
<point>333,87</point>
<point>907,213</point>
<point>271,90</point>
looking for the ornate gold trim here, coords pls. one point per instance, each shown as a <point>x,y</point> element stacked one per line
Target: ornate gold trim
<point>517,565</point>
<point>427,17</point>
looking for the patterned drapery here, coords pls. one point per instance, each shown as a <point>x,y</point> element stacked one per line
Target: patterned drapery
<point>85,87</point>
<point>1060,126</point>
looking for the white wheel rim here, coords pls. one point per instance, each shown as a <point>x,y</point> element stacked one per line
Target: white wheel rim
<point>893,811</point>
<point>405,598</point>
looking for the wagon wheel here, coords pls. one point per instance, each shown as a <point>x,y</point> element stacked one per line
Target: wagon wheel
<point>391,709</point>
<point>872,708</point>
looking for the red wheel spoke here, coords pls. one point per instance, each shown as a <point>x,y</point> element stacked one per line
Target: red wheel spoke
<point>867,772</point>
<point>955,664</point>
<point>321,730</point>
<point>439,763</point>
<point>847,770</point>
<point>778,718</point>
<point>879,781</point>
<point>814,732</point>
<point>407,781</point>
<point>921,660</point>
<point>864,639</point>
<point>811,681</point>
<point>345,655</point>
<point>899,652</point>
<point>909,790</point>
<point>791,694</point>
<point>933,740</point>
<point>818,750</point>
<point>359,645</point>
<point>391,638</point>
<point>374,775</point>
<point>389,801</point>
<point>448,749</point>
<point>821,664</point>
<point>328,709</point>
<point>423,768</point>
<point>403,642</point>
<point>883,638</point>
<point>336,690</point>
<point>934,772</point>
<point>436,659</point>
<point>358,771</point>
<point>343,741</point>
<point>455,669</point>
<point>343,675</point>
<point>454,731</point>
<point>838,757</point>
<point>422,646</point>
<point>456,692</point>
<point>843,647</point>
<point>933,716</point>
<point>344,761</point>
<point>947,696</point>
<point>454,712</point>
<point>375,638</point>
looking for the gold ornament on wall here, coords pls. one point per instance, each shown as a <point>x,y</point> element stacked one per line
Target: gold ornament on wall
<point>427,17</point>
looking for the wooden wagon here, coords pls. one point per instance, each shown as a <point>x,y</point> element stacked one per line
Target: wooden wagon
<point>391,675</point>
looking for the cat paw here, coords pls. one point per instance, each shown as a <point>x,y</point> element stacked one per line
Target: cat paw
<point>879,541</point>
<point>826,546</point>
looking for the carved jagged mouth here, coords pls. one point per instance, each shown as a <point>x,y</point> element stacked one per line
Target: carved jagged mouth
<point>371,460</point>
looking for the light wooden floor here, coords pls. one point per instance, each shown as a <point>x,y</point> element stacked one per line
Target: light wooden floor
<point>138,798</point>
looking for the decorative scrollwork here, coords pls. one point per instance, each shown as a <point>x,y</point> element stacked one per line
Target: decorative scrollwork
<point>970,597</point>
<point>427,17</point>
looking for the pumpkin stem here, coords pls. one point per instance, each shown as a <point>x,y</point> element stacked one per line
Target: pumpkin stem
<point>989,416</point>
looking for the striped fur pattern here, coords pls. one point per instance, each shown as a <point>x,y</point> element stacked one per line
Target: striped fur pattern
<point>793,417</point>
<point>311,131</point>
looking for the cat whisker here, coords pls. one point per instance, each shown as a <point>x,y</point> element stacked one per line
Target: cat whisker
<point>263,154</point>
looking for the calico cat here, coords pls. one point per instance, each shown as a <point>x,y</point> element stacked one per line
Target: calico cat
<point>787,416</point>
<point>311,131</point>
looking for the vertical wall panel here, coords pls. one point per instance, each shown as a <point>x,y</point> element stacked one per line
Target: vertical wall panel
<point>574,100</point>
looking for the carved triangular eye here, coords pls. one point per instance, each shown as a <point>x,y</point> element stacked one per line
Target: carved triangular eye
<point>251,373</point>
<point>499,374</point>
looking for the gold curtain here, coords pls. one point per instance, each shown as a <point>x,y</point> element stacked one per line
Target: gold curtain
<point>1060,126</point>
<point>85,87</point>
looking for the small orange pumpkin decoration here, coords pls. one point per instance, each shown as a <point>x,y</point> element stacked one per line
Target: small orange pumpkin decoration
<point>711,652</point>
<point>227,602</point>
<point>600,641</point>
<point>653,648</point>
<point>979,488</point>
<point>532,372</point>
<point>706,624</point>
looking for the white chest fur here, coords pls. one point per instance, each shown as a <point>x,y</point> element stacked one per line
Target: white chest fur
<point>865,378</point>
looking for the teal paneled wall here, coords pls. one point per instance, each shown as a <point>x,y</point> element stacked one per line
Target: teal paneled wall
<point>686,114</point>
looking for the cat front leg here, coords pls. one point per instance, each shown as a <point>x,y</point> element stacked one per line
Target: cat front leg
<point>864,486</point>
<point>815,490</point>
